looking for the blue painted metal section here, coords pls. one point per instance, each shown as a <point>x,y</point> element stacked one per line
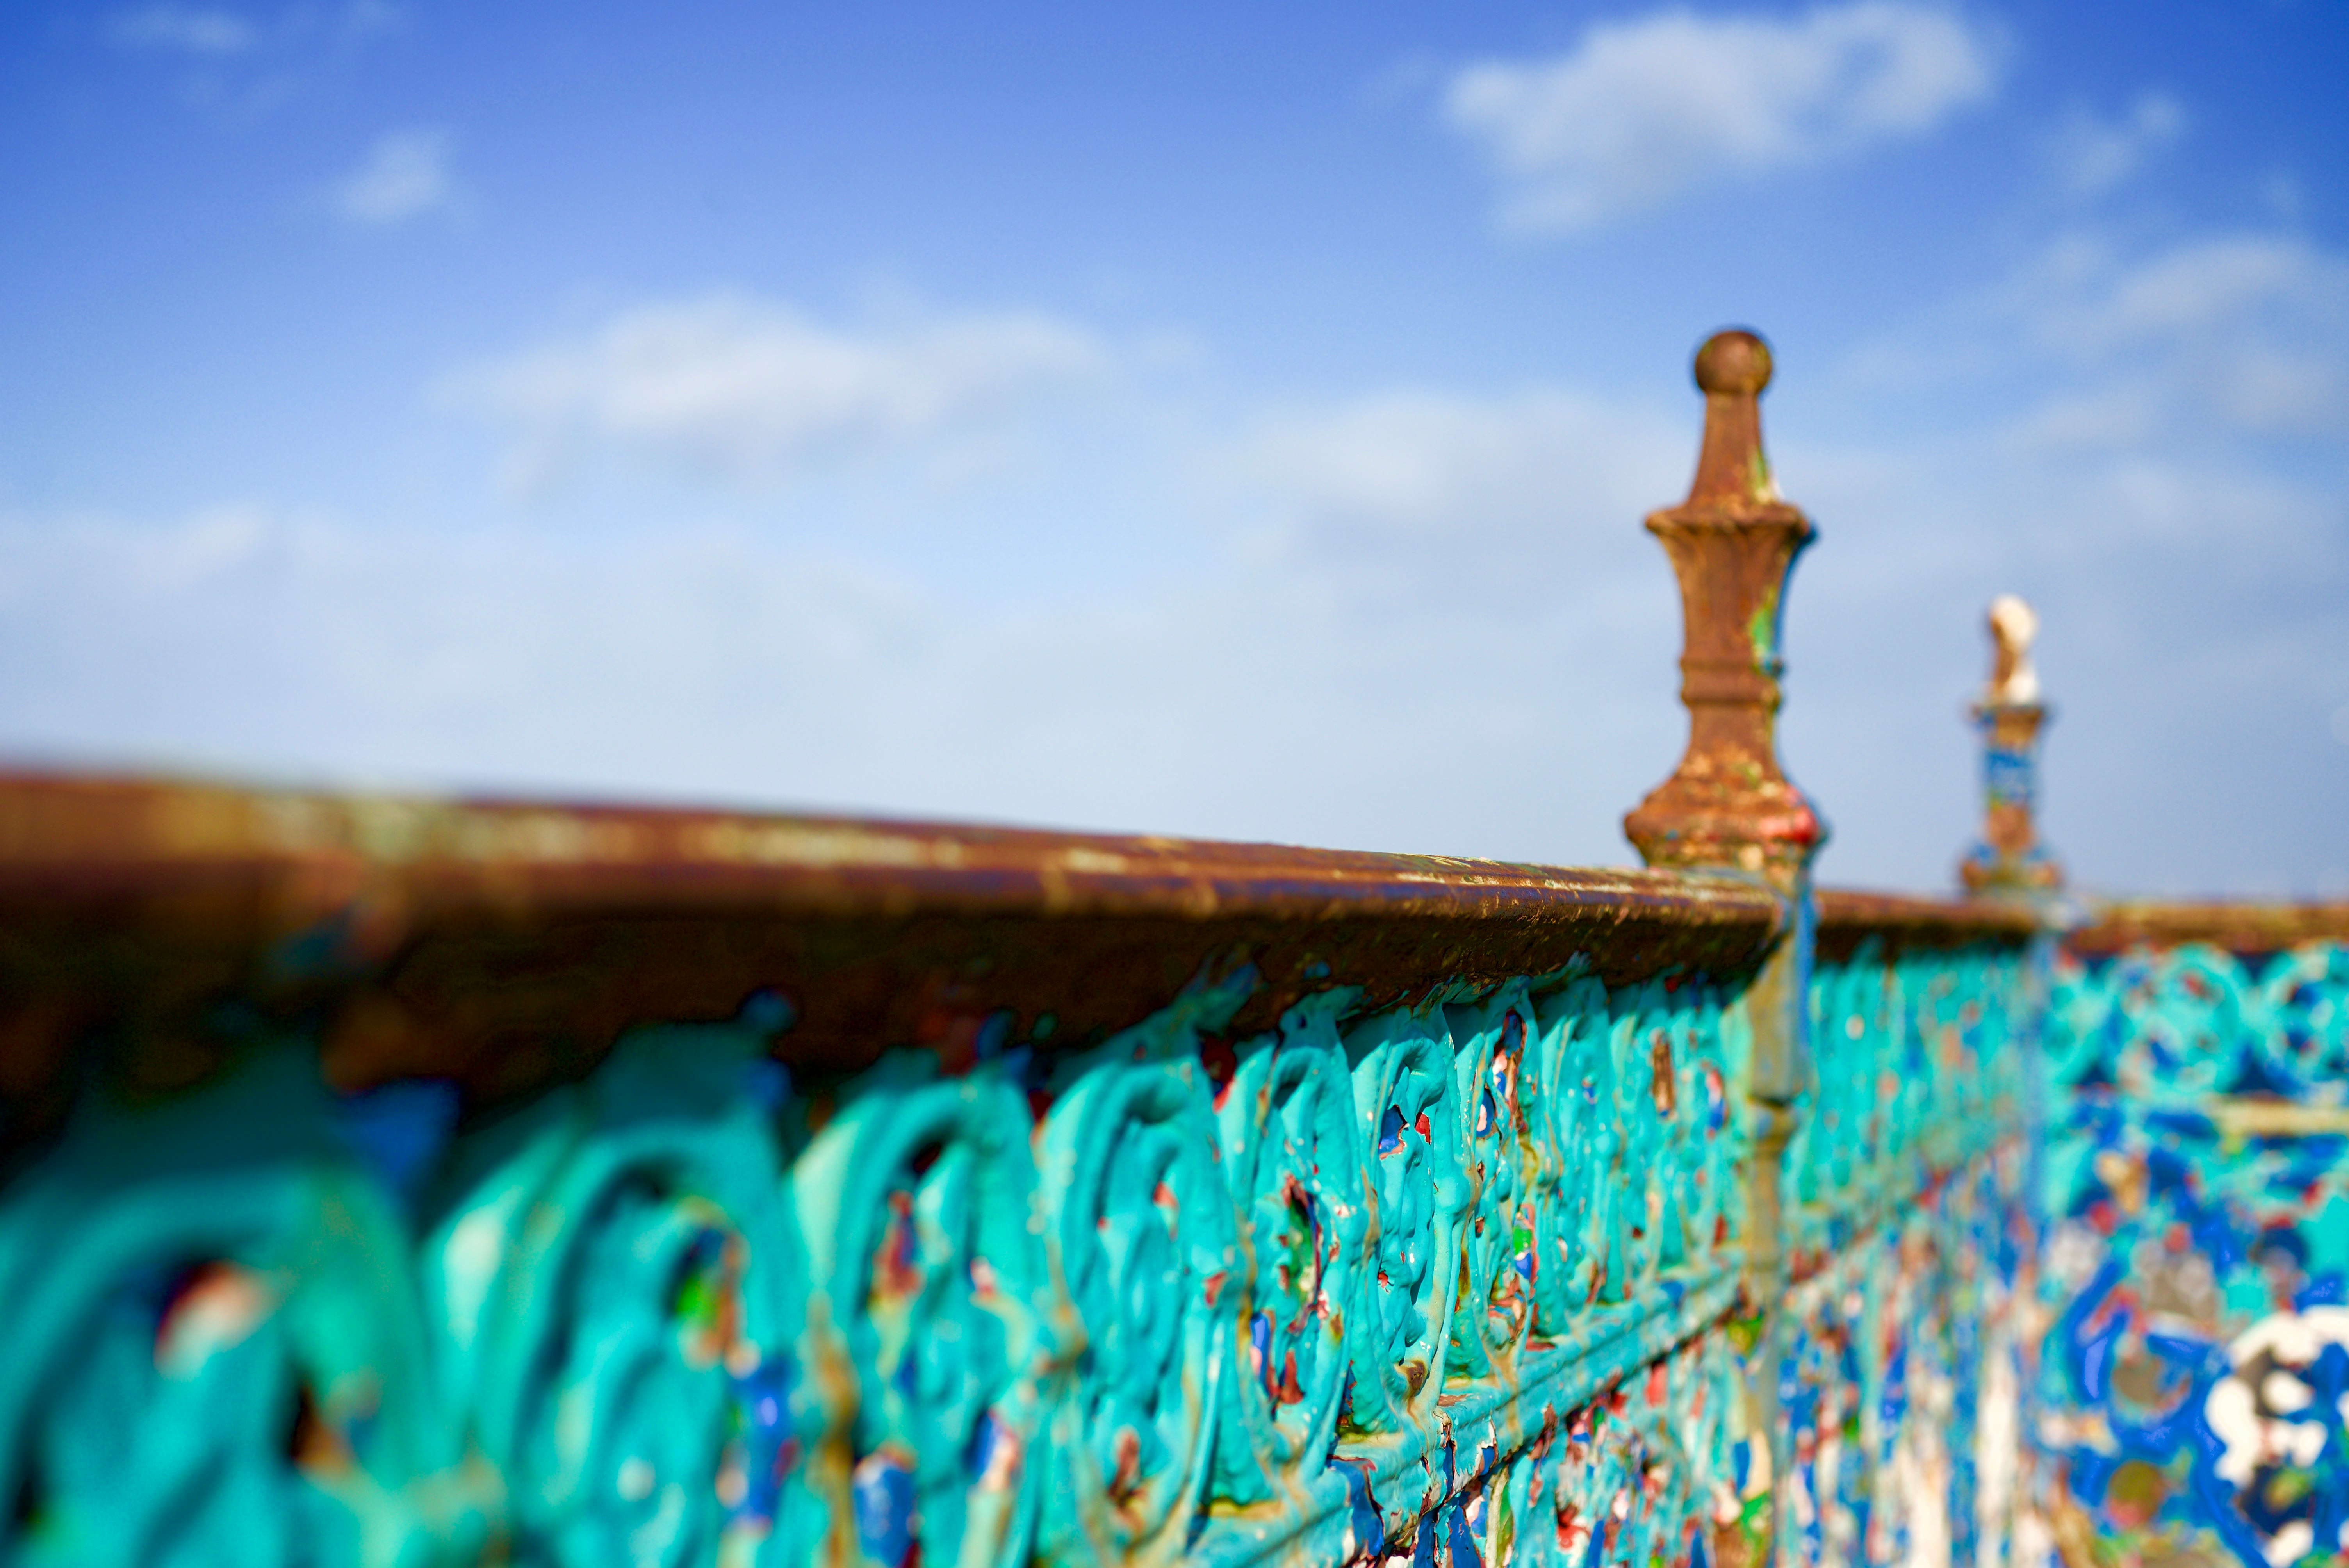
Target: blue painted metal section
<point>2193,1382</point>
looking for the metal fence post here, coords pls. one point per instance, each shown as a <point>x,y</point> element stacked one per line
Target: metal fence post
<point>1728,805</point>
<point>2009,858</point>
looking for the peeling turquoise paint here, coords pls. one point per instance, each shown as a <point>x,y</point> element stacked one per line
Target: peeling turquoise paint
<point>1453,1282</point>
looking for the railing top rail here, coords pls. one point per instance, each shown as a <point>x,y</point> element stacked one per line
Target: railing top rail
<point>1849,916</point>
<point>2245,925</point>
<point>69,840</point>
<point>503,945</point>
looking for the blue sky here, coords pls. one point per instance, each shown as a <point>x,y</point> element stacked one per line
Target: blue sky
<point>1208,419</point>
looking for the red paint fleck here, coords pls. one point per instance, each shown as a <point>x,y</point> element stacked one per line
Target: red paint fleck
<point>1289,1393</point>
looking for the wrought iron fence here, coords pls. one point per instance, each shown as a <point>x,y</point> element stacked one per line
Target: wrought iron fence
<point>405,1182</point>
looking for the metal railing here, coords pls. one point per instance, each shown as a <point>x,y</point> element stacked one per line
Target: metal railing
<point>397,1182</point>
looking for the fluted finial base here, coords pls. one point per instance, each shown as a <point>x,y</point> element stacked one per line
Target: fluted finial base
<point>1709,814</point>
<point>1986,871</point>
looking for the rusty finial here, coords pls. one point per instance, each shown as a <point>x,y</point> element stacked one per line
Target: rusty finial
<point>2009,858</point>
<point>1732,544</point>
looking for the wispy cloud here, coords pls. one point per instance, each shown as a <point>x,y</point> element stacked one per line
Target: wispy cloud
<point>184,29</point>
<point>737,388</point>
<point>250,61</point>
<point>2222,281</point>
<point>1645,111</point>
<point>1543,474</point>
<point>2244,331</point>
<point>404,175</point>
<point>2095,153</point>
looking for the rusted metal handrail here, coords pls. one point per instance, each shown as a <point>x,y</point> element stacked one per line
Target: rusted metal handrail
<point>596,1183</point>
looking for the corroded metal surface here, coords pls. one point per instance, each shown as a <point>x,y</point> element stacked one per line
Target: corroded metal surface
<point>1727,805</point>
<point>2193,1384</point>
<point>505,946</point>
<point>429,1182</point>
<point>2244,926</point>
<point>1732,543</point>
<point>1896,922</point>
<point>1380,1253</point>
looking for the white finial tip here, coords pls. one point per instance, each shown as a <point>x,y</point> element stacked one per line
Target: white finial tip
<point>2013,626</point>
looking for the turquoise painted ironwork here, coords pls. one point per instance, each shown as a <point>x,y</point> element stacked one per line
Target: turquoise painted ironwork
<point>2194,1384</point>
<point>1906,1174</point>
<point>1458,1279</point>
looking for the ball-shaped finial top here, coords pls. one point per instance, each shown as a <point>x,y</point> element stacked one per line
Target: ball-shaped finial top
<point>1734,361</point>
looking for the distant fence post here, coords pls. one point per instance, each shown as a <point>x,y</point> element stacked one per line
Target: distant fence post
<point>1728,805</point>
<point>2009,858</point>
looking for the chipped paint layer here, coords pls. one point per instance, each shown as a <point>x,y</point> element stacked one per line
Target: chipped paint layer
<point>1457,1280</point>
<point>1291,1294</point>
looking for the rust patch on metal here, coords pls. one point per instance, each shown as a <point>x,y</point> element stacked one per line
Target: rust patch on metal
<point>506,946</point>
<point>2246,927</point>
<point>1903,922</point>
<point>1732,542</point>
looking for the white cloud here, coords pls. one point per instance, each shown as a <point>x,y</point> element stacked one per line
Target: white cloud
<point>2247,330</point>
<point>744,388</point>
<point>404,175</point>
<point>2222,281</point>
<point>1642,112</point>
<point>1541,472</point>
<point>187,30</point>
<point>2094,154</point>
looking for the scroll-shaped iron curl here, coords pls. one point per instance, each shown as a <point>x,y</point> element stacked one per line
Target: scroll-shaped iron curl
<point>1646,1098</point>
<point>1287,1123</point>
<point>1850,1022</point>
<point>2304,1005</point>
<point>1691,1090</point>
<point>1672,1099</point>
<point>215,1348</point>
<point>2080,1041</point>
<point>616,1287</point>
<point>1574,1068</point>
<point>1142,1231</point>
<point>1637,1475</point>
<point>2187,1034</point>
<point>1498,1048</point>
<point>932,1330</point>
<point>1407,1119</point>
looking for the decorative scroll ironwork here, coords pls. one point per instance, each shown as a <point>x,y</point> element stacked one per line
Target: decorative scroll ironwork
<point>2193,1385</point>
<point>1900,1376</point>
<point>1178,1294</point>
<point>1916,1071</point>
<point>1460,1225</point>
